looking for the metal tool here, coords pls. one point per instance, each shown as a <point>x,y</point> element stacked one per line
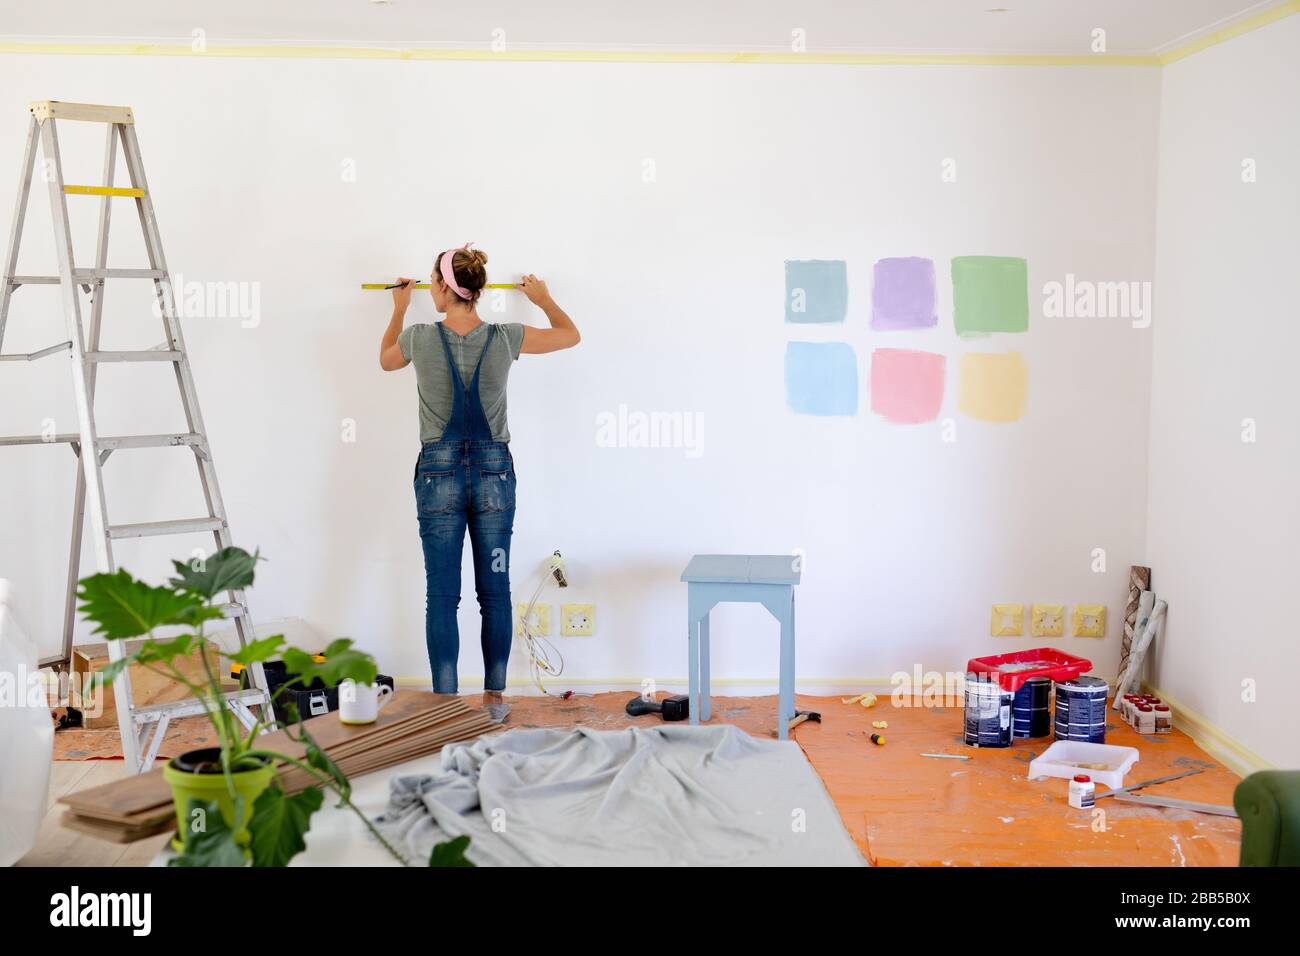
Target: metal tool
<point>1147,783</point>
<point>1173,804</point>
<point>142,728</point>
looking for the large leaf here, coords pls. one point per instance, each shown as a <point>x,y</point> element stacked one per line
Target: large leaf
<point>262,649</point>
<point>214,845</point>
<point>451,853</point>
<point>123,607</point>
<point>279,823</point>
<point>230,569</point>
<point>341,663</point>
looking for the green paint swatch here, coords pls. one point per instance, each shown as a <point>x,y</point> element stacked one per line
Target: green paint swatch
<point>990,294</point>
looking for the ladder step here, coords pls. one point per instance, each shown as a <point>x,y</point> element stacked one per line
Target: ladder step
<point>66,438</point>
<point>80,274</point>
<point>190,439</point>
<point>233,610</point>
<point>33,280</point>
<point>191,707</point>
<point>149,529</point>
<point>139,355</point>
<point>129,191</point>
<point>86,112</point>
<point>33,356</point>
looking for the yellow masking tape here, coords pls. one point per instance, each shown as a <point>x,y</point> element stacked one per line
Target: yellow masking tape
<point>383,286</point>
<point>103,191</point>
<point>271,51</point>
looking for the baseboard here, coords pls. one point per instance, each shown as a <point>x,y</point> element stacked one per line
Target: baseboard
<point>722,686</point>
<point>1239,758</point>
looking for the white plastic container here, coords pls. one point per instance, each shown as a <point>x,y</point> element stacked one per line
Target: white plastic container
<point>1063,759</point>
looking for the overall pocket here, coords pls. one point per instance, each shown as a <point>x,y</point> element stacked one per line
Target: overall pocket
<point>495,489</point>
<point>438,492</point>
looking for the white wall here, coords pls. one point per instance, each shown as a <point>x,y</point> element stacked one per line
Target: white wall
<point>677,286</point>
<point>1223,521</point>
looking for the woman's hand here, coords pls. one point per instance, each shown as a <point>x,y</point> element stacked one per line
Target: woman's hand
<point>535,289</point>
<point>402,295</point>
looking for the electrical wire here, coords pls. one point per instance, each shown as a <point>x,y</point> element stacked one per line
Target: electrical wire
<point>543,656</point>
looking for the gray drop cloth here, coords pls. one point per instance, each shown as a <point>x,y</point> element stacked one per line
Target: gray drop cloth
<point>663,795</point>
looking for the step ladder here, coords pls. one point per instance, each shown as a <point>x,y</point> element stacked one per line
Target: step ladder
<point>143,728</point>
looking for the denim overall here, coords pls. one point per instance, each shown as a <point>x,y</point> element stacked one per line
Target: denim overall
<point>465,479</point>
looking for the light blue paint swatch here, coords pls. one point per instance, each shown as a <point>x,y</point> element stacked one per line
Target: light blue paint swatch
<point>816,290</point>
<point>821,378</point>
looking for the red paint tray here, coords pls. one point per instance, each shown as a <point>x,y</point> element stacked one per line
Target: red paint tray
<point>1014,669</point>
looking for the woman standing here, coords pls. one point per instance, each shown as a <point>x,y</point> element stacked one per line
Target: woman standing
<point>465,477</point>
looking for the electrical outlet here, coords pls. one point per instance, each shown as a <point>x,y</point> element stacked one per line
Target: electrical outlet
<point>577,620</point>
<point>541,619</point>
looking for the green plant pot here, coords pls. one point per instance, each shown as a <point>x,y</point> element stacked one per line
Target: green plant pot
<point>205,787</point>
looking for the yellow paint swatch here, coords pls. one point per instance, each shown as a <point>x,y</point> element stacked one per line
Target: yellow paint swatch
<point>1048,620</point>
<point>1008,620</point>
<point>993,386</point>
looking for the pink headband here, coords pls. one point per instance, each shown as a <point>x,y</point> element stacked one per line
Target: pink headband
<point>449,274</point>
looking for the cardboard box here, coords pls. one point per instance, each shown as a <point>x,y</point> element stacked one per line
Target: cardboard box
<point>147,687</point>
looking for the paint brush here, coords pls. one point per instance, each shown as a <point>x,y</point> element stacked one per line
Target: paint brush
<point>947,756</point>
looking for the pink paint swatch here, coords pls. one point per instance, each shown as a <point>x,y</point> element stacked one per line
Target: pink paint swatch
<point>906,386</point>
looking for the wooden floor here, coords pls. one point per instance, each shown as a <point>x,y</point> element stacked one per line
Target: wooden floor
<point>900,808</point>
<point>58,846</point>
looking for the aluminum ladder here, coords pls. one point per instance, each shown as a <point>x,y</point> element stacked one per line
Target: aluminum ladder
<point>143,728</point>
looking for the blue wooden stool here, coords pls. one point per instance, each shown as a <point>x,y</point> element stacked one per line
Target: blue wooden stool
<point>766,579</point>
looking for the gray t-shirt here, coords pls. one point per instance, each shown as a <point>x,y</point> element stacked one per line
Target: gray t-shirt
<point>420,346</point>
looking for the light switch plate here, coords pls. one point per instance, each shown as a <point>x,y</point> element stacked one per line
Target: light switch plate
<point>1089,620</point>
<point>577,620</point>
<point>1048,620</point>
<point>1008,620</point>
<point>541,619</point>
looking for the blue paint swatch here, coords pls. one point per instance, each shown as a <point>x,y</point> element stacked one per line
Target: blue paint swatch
<point>821,378</point>
<point>816,290</point>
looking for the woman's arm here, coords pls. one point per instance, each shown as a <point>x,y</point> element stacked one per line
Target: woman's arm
<point>562,334</point>
<point>390,353</point>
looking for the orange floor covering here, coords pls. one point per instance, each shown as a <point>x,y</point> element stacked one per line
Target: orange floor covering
<point>906,810</point>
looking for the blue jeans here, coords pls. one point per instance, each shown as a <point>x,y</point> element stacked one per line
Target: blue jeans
<point>461,484</point>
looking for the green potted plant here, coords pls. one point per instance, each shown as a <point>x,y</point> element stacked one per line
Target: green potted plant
<point>230,807</point>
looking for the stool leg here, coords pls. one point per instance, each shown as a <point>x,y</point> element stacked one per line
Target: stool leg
<point>785,707</point>
<point>693,665</point>
<point>704,667</point>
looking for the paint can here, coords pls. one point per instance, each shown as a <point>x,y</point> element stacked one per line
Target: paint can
<point>1030,711</point>
<point>1081,709</point>
<point>988,712</point>
<point>1164,719</point>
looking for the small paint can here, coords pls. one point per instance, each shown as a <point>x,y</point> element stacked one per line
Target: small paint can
<point>1083,792</point>
<point>1146,719</point>
<point>1081,709</point>
<point>1164,719</point>
<point>1031,714</point>
<point>988,713</point>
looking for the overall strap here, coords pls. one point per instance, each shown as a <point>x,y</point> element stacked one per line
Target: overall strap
<point>482,355</point>
<point>451,364</point>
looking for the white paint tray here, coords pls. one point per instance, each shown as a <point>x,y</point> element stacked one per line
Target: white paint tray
<point>1062,759</point>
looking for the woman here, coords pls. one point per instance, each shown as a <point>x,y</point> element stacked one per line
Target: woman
<point>465,476</point>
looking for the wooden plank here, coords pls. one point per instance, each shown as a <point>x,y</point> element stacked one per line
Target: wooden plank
<point>85,112</point>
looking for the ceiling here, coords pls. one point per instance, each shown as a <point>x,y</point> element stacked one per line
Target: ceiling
<point>1049,27</point>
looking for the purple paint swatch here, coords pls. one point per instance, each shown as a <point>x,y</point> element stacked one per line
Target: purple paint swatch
<point>902,294</point>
